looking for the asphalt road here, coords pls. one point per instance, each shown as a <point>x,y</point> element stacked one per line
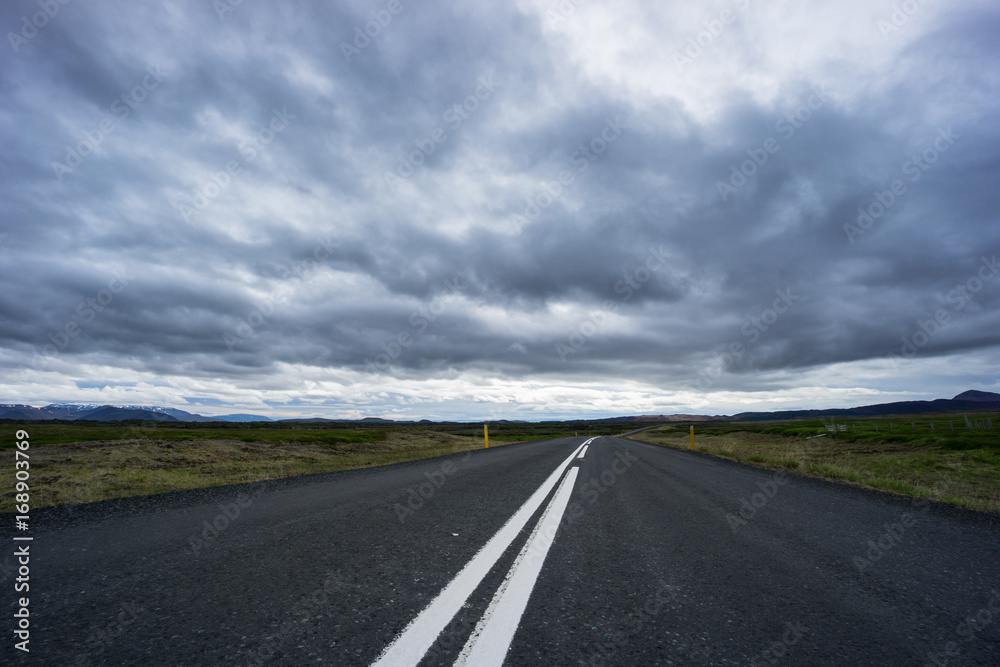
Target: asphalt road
<point>631,555</point>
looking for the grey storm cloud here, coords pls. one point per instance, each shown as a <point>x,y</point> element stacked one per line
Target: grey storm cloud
<point>351,206</point>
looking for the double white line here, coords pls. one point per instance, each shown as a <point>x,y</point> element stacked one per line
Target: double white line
<point>491,639</point>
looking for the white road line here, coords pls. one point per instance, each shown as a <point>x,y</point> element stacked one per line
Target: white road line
<point>583,452</point>
<point>491,639</point>
<point>416,639</point>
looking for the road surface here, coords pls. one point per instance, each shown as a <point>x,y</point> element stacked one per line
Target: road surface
<point>622,553</point>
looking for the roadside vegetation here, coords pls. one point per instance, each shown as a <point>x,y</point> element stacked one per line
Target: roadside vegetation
<point>80,462</point>
<point>937,456</point>
<point>928,456</point>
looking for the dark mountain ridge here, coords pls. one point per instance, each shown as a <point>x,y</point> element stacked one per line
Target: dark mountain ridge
<point>967,401</point>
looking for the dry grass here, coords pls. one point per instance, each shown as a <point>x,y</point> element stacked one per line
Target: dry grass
<point>970,478</point>
<point>84,472</point>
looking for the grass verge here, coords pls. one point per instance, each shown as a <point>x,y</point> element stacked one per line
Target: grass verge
<point>132,461</point>
<point>963,470</point>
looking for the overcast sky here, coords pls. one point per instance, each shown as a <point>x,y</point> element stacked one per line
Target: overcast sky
<point>518,210</point>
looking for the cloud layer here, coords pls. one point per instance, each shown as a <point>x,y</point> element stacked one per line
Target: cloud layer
<point>511,210</point>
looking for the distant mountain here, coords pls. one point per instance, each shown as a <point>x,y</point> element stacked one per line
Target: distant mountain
<point>967,401</point>
<point>27,412</point>
<point>183,416</point>
<point>880,409</point>
<point>978,396</point>
<point>77,410</point>
<point>108,413</point>
<point>30,413</point>
<point>61,411</point>
<point>78,406</point>
<point>363,420</point>
<point>83,407</point>
<point>663,418</point>
<point>93,412</point>
<point>240,417</point>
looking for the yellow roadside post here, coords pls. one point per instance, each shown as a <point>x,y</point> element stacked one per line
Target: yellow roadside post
<point>486,435</point>
<point>692,436</point>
